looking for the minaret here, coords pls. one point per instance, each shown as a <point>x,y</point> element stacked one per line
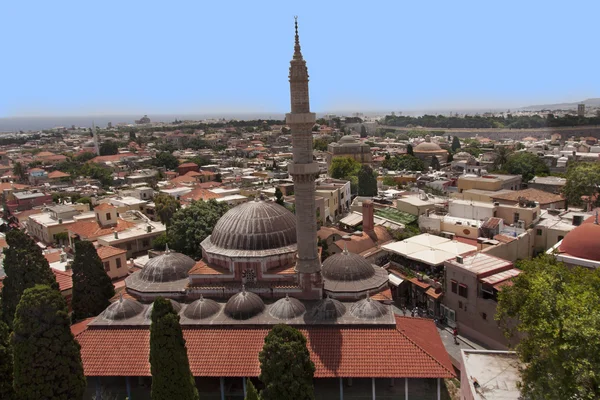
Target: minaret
<point>304,171</point>
<point>96,145</point>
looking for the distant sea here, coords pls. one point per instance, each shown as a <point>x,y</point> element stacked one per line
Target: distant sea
<point>15,124</point>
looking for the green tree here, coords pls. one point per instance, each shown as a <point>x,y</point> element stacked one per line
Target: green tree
<point>166,207</point>
<point>342,167</point>
<point>363,131</point>
<point>251,392</point>
<point>367,181</point>
<point>286,369</point>
<point>555,310</point>
<point>92,288</point>
<point>526,164</point>
<point>6,364</point>
<point>47,361</point>
<point>25,267</point>
<point>320,144</point>
<point>435,163</point>
<point>502,156</point>
<point>19,171</point>
<point>191,225</point>
<point>583,179</point>
<point>200,161</point>
<point>279,196</point>
<point>409,150</point>
<point>165,159</point>
<point>455,144</point>
<point>160,242</point>
<point>404,162</point>
<point>169,364</point>
<point>450,158</point>
<point>109,148</point>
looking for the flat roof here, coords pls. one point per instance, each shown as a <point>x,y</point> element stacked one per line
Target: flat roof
<point>482,204</point>
<point>429,249</point>
<point>491,375</point>
<point>481,263</point>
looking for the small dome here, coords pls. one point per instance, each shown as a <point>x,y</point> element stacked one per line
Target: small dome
<point>176,307</point>
<point>427,146</point>
<point>287,308</point>
<point>463,155</point>
<point>201,309</point>
<point>244,305</point>
<point>328,309</point>
<point>168,267</point>
<point>347,139</point>
<point>368,309</point>
<point>122,309</point>
<point>583,242</point>
<point>255,225</point>
<point>346,266</point>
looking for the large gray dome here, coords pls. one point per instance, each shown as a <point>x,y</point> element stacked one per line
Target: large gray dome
<point>346,266</point>
<point>176,307</point>
<point>201,309</point>
<point>287,308</point>
<point>167,267</point>
<point>368,309</point>
<point>255,225</point>
<point>122,309</point>
<point>244,305</point>
<point>328,309</point>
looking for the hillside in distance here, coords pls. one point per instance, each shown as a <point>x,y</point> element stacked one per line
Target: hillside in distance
<point>595,102</point>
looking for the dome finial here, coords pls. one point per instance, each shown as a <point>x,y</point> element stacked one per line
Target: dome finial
<point>345,249</point>
<point>121,297</point>
<point>243,288</point>
<point>167,251</point>
<point>201,297</point>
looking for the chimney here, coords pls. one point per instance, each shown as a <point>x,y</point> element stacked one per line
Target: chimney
<point>459,259</point>
<point>368,216</point>
<point>116,235</point>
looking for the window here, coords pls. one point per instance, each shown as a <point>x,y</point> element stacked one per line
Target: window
<point>119,265</point>
<point>463,291</point>
<point>106,266</point>
<point>516,218</point>
<point>538,232</point>
<point>454,286</point>
<point>460,305</point>
<point>560,238</point>
<point>484,316</point>
<point>108,216</point>
<point>128,246</point>
<point>145,243</point>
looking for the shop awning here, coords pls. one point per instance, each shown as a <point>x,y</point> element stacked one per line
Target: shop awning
<point>395,279</point>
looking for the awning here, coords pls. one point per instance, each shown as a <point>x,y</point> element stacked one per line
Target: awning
<point>395,279</point>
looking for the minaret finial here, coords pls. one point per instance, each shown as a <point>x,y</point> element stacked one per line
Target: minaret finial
<point>297,52</point>
<point>596,220</point>
<point>167,251</point>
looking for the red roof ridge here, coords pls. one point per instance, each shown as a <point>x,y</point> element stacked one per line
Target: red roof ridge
<point>398,318</point>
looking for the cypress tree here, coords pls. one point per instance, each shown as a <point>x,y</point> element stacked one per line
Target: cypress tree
<point>367,181</point>
<point>251,392</point>
<point>455,144</point>
<point>25,267</point>
<point>169,364</point>
<point>47,361</point>
<point>279,196</point>
<point>435,163</point>
<point>92,288</point>
<point>409,150</point>
<point>285,365</point>
<point>6,365</point>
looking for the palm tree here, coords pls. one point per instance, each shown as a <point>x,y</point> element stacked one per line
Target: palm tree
<point>502,155</point>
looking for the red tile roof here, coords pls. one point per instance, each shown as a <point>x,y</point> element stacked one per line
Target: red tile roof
<point>105,252</point>
<point>199,193</point>
<point>215,351</point>
<point>92,229</point>
<point>111,158</point>
<point>64,279</point>
<point>187,165</point>
<point>52,257</point>
<point>201,268</point>
<point>358,244</point>
<point>209,184</point>
<point>58,174</point>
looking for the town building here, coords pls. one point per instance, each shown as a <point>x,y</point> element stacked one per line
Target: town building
<point>489,375</point>
<point>428,149</point>
<point>349,146</point>
<point>580,247</point>
<point>470,298</point>
<point>491,182</point>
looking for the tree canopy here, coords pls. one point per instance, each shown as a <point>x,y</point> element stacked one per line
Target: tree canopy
<point>343,167</point>
<point>435,163</point>
<point>109,148</point>
<point>165,159</point>
<point>403,162</point>
<point>557,314</point>
<point>169,363</point>
<point>279,196</point>
<point>47,361</point>
<point>251,392</point>
<point>526,164</point>
<point>25,266</point>
<point>92,288</point>
<point>367,181</point>
<point>502,156</point>
<point>583,179</point>
<point>320,144</point>
<point>455,144</point>
<point>410,150</point>
<point>286,369</point>
<point>191,225</point>
<point>363,131</point>
<point>6,364</point>
<point>166,206</point>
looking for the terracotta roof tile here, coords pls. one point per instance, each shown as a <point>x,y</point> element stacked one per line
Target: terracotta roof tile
<point>364,242</point>
<point>401,351</point>
<point>52,257</point>
<point>105,252</point>
<point>199,193</point>
<point>530,194</point>
<point>58,174</point>
<point>64,279</point>
<point>92,229</point>
<point>201,268</point>
<point>209,184</point>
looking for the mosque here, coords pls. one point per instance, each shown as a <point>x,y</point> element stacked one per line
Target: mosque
<point>261,266</point>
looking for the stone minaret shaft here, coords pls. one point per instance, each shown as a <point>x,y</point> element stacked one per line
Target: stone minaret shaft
<point>303,170</point>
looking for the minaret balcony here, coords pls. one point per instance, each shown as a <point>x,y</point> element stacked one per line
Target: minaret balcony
<point>300,118</point>
<point>303,169</point>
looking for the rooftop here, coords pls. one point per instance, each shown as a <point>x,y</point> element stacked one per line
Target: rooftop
<point>482,264</point>
<point>491,375</point>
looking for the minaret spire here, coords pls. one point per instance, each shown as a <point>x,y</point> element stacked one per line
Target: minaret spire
<point>304,171</point>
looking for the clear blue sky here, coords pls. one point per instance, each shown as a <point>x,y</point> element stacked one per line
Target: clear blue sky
<point>120,57</point>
